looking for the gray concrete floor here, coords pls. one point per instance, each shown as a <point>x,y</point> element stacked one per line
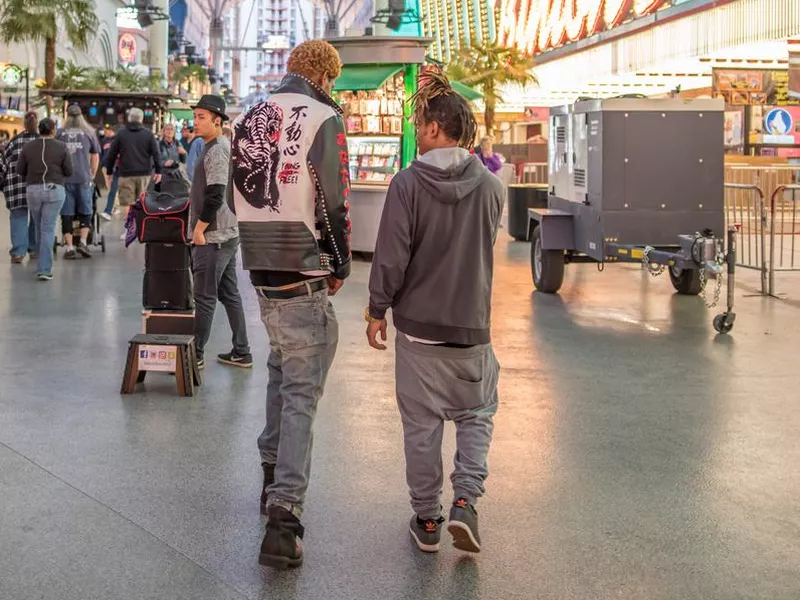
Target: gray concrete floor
<point>636,455</point>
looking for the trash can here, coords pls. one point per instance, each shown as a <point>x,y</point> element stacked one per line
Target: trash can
<point>521,197</point>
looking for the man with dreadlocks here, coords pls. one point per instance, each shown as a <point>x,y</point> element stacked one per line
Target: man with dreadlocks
<point>433,267</point>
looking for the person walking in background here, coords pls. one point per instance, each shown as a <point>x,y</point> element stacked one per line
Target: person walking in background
<point>187,136</point>
<point>291,188</point>
<point>215,237</point>
<point>172,153</point>
<point>433,266</point>
<point>113,186</point>
<point>23,231</point>
<point>45,164</point>
<point>138,153</point>
<point>490,159</point>
<point>79,187</point>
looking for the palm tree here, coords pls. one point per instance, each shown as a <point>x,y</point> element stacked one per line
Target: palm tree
<point>131,81</point>
<point>70,76</point>
<point>489,68</point>
<point>186,74</point>
<point>42,20</point>
<point>103,79</point>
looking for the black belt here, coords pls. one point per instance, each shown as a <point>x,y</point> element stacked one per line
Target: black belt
<point>301,289</point>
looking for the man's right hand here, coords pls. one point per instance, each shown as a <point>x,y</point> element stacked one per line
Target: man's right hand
<point>334,285</point>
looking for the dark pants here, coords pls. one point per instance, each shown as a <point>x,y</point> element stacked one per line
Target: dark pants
<point>214,268</point>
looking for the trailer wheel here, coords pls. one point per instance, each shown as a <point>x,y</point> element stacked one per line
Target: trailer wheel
<point>547,266</point>
<point>686,281</point>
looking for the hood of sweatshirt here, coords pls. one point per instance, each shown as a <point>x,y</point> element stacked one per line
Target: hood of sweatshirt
<point>134,126</point>
<point>448,174</point>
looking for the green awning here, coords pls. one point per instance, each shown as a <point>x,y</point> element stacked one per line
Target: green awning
<point>365,77</point>
<point>466,91</point>
<point>182,114</point>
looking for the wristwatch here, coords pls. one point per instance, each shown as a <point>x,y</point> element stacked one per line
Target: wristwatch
<point>369,318</point>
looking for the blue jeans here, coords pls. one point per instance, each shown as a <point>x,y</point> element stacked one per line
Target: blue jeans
<point>21,226</point>
<point>112,193</point>
<point>303,334</point>
<point>45,202</point>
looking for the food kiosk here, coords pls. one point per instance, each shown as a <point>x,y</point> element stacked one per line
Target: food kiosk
<point>378,78</point>
<point>108,108</point>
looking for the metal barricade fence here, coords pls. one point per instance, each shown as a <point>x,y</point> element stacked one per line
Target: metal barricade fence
<point>783,254</point>
<point>766,176</point>
<point>745,208</point>
<point>533,173</point>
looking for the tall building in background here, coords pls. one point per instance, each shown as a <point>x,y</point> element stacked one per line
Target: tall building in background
<point>260,34</point>
<point>456,24</point>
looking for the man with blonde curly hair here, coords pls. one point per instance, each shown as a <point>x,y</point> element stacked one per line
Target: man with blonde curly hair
<point>290,188</point>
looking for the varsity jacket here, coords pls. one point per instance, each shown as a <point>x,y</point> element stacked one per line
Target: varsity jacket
<point>291,182</point>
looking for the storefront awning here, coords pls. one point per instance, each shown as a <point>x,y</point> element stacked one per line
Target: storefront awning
<point>182,114</point>
<point>365,77</point>
<point>466,91</point>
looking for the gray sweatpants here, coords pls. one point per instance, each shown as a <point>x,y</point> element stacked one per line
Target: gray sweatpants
<point>437,384</point>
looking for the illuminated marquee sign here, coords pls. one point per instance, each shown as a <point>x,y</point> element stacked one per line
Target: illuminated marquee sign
<point>535,26</point>
<point>127,48</point>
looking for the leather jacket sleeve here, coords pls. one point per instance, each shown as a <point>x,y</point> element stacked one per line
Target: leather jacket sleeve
<point>330,167</point>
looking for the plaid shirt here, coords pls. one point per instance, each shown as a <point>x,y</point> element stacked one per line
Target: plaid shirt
<point>13,185</point>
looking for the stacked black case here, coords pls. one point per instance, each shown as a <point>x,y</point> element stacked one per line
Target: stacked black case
<point>167,277</point>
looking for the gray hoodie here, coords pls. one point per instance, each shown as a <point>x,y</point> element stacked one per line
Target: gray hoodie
<point>434,261</point>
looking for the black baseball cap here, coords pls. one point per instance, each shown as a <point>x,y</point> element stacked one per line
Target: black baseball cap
<point>213,103</point>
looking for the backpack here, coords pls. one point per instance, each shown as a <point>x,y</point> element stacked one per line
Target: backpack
<point>162,213</point>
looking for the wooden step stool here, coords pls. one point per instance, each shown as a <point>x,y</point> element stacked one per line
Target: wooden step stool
<point>164,353</point>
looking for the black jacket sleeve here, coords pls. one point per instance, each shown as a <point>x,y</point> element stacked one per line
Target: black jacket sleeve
<point>212,200</point>
<point>155,153</point>
<point>113,153</point>
<point>330,167</point>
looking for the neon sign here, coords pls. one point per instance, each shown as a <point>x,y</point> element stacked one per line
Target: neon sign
<point>127,48</point>
<point>535,26</point>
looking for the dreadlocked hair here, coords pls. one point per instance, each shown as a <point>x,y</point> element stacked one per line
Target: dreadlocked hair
<point>437,101</point>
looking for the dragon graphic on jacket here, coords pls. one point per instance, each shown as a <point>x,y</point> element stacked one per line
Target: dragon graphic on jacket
<point>256,156</point>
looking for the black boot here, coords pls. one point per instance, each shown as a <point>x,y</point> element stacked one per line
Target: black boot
<point>269,479</point>
<point>281,547</point>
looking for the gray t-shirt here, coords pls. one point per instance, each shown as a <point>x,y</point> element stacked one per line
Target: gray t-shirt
<point>80,145</point>
<point>214,169</point>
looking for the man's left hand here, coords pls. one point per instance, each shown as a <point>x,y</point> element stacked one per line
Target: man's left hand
<point>199,238</point>
<point>334,285</point>
<point>157,178</point>
<point>373,329</point>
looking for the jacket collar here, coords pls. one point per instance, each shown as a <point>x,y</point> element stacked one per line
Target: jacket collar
<point>294,83</point>
<point>134,126</point>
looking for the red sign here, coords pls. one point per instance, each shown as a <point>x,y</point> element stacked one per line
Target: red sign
<point>534,26</point>
<point>127,48</point>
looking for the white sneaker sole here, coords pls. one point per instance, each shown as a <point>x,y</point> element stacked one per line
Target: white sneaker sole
<point>233,363</point>
<point>462,537</point>
<point>420,545</point>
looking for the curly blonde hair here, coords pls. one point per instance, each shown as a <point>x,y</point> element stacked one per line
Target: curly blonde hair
<point>315,58</point>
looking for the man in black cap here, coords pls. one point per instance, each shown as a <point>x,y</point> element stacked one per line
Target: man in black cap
<point>215,237</point>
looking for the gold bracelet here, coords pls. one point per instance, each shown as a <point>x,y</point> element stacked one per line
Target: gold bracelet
<point>369,318</point>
